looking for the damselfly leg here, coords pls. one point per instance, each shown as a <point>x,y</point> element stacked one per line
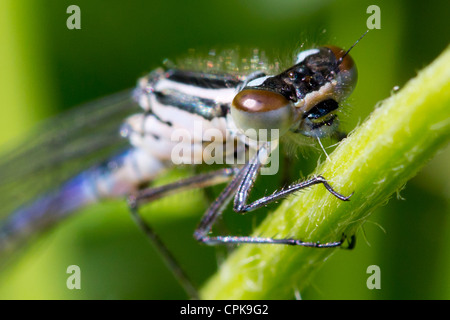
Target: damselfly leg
<point>240,188</point>
<point>242,181</point>
<point>151,194</point>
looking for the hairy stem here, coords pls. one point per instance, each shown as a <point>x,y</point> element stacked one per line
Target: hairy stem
<point>381,155</point>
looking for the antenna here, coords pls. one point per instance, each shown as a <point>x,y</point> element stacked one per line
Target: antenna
<point>346,53</point>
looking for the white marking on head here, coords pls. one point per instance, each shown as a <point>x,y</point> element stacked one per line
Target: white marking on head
<point>302,55</point>
<point>256,82</point>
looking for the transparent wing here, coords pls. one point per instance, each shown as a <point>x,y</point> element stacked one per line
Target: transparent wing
<point>61,147</point>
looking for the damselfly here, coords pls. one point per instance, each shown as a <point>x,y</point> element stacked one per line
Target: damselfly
<point>238,115</point>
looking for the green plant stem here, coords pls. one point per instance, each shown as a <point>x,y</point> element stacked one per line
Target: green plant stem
<point>374,162</point>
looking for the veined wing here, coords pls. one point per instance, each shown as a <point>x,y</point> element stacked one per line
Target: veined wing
<point>61,147</point>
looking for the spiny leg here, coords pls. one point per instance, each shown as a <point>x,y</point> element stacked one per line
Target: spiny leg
<point>169,259</point>
<point>151,194</point>
<point>199,181</point>
<point>241,186</point>
<point>221,252</point>
<point>241,206</point>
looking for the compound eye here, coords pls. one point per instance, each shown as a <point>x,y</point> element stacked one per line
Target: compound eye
<point>258,112</point>
<point>347,62</point>
<point>348,73</point>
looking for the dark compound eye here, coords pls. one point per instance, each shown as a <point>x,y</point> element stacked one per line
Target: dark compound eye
<point>347,62</point>
<point>347,74</point>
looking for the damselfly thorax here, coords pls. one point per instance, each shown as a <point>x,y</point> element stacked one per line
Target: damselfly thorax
<point>192,117</point>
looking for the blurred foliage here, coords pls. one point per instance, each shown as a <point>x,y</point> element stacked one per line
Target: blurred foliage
<point>47,68</point>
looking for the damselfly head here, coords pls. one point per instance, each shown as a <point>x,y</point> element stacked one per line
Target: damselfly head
<point>303,98</point>
<point>318,108</point>
<point>319,118</point>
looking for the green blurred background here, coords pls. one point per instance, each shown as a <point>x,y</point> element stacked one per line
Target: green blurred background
<point>46,68</point>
